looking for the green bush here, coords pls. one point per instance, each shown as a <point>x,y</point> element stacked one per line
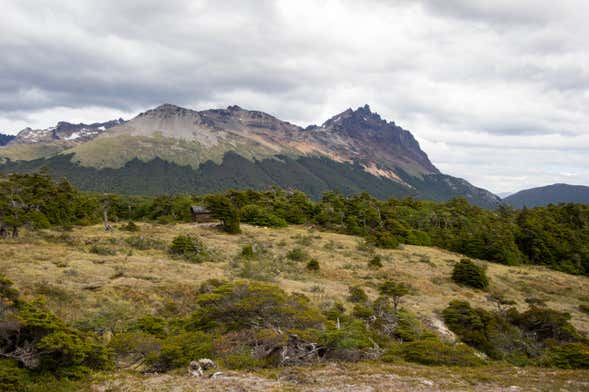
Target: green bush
<point>131,226</point>
<point>189,248</point>
<point>357,295</point>
<point>313,265</point>
<point>349,342</point>
<point>102,250</point>
<point>375,262</point>
<point>383,239</point>
<point>433,352</point>
<point>569,356</point>
<point>177,351</point>
<point>247,251</point>
<point>584,308</point>
<point>297,254</point>
<point>150,324</point>
<point>241,304</point>
<point>467,273</point>
<point>260,216</point>
<point>544,324</point>
<point>12,377</point>
<point>224,208</point>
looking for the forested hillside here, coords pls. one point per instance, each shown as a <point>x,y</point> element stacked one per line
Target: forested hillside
<point>556,236</point>
<point>551,194</point>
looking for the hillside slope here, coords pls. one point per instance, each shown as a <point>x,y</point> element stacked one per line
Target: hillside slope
<point>550,194</point>
<point>114,288</point>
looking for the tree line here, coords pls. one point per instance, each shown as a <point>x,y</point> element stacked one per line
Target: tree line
<point>556,236</point>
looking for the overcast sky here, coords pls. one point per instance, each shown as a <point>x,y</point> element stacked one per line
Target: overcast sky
<point>495,91</point>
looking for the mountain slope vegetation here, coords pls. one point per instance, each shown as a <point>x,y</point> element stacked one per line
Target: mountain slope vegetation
<point>550,194</point>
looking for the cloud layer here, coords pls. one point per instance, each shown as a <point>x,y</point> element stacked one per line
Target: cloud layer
<point>496,92</point>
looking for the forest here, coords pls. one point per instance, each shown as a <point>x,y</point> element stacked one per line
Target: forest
<point>556,236</point>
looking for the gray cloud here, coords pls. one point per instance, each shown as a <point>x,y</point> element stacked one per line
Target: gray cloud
<point>460,74</point>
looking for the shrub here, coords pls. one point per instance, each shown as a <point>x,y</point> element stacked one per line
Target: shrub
<point>569,356</point>
<point>131,226</point>
<point>141,242</point>
<point>544,323</point>
<point>234,306</point>
<point>468,323</point>
<point>152,325</point>
<point>58,349</point>
<point>383,239</point>
<point>101,250</point>
<point>313,265</point>
<point>357,295</point>
<point>349,342</point>
<point>188,247</point>
<point>584,308</point>
<point>223,208</point>
<point>247,251</point>
<point>178,351</point>
<point>394,291</point>
<point>375,262</point>
<point>259,216</point>
<point>433,352</point>
<point>467,273</point>
<point>12,377</point>
<point>297,254</point>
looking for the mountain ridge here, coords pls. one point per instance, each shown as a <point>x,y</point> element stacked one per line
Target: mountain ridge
<point>549,194</point>
<point>345,145</point>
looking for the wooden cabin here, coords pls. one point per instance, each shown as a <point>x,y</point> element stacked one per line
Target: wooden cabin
<point>201,214</point>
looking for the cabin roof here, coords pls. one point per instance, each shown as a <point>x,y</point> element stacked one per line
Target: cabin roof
<point>199,210</point>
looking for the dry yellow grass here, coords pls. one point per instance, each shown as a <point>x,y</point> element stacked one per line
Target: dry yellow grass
<point>79,285</point>
<point>364,377</point>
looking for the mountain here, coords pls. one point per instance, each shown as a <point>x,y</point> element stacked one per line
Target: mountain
<point>551,194</point>
<point>40,143</point>
<point>170,149</point>
<point>5,139</point>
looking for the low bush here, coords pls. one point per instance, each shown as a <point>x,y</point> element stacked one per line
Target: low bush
<point>357,295</point>
<point>241,304</point>
<point>433,352</point>
<point>375,262</point>
<point>247,251</point>
<point>131,226</point>
<point>297,254</point>
<point>569,356</point>
<point>102,250</point>
<point>313,265</point>
<point>141,242</point>
<point>189,248</point>
<point>467,273</point>
<point>53,346</point>
<point>178,350</point>
<point>260,216</point>
<point>383,239</point>
<point>12,377</point>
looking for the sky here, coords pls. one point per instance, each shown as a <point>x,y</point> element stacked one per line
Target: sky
<point>496,92</point>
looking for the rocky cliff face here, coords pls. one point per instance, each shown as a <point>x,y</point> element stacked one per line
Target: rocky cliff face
<point>65,132</point>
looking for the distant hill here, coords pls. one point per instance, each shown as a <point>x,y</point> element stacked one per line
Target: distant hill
<point>170,149</point>
<point>5,139</point>
<point>550,194</point>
